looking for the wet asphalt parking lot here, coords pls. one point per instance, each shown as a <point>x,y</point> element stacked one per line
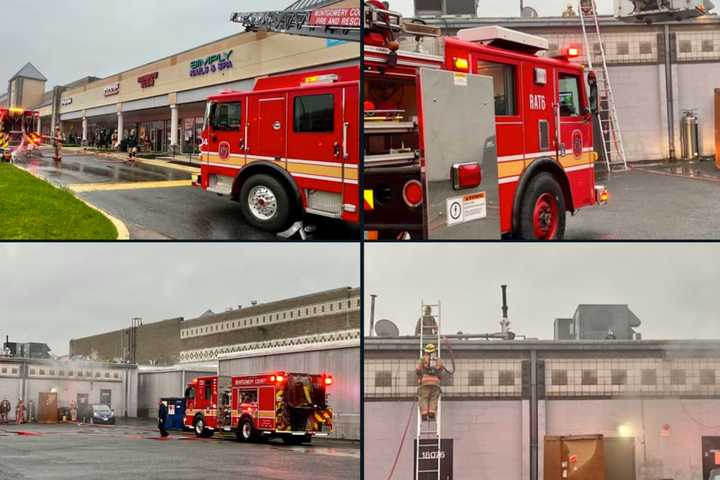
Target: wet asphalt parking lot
<point>678,201</point>
<point>158,202</point>
<point>661,201</point>
<point>86,452</point>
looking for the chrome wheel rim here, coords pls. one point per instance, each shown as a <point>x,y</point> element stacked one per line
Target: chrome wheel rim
<point>262,202</point>
<point>246,430</point>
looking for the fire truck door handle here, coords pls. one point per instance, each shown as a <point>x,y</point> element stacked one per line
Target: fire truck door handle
<point>345,140</point>
<point>337,149</point>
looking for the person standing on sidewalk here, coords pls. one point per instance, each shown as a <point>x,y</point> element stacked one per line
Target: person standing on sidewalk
<point>132,145</point>
<point>162,419</point>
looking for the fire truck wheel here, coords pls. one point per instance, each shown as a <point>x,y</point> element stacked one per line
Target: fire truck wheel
<point>246,431</point>
<point>296,440</point>
<point>199,425</point>
<point>265,203</point>
<point>542,209</point>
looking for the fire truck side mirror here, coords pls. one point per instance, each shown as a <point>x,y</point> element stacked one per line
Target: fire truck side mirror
<point>593,95</point>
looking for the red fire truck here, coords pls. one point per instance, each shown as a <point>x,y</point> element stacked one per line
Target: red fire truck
<point>293,406</point>
<point>474,136</point>
<point>19,129</point>
<point>290,146</point>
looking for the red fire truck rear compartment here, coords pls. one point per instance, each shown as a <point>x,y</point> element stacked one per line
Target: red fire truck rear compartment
<point>532,151</point>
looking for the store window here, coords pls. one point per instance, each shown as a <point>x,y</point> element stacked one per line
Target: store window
<point>314,114</point>
<point>504,80</point>
<point>225,116</point>
<point>569,95</point>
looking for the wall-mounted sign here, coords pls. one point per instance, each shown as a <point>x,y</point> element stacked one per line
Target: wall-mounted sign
<point>66,101</point>
<point>111,90</point>
<point>211,64</point>
<point>147,81</point>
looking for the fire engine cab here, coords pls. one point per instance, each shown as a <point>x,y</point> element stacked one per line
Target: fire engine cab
<point>474,136</point>
<point>19,129</point>
<point>288,147</point>
<point>293,406</point>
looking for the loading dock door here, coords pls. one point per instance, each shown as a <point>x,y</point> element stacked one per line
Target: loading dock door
<point>711,454</point>
<point>619,458</point>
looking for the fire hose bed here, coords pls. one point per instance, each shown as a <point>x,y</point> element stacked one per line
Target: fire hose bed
<point>31,209</point>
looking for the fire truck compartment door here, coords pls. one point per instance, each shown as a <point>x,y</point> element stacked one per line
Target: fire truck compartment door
<point>271,128</point>
<point>459,128</point>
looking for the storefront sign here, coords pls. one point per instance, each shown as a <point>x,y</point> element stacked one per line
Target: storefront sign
<point>147,81</point>
<point>66,101</point>
<point>111,90</point>
<point>211,64</point>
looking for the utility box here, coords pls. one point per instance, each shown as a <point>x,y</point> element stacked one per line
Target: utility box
<point>579,457</point>
<point>649,11</point>
<point>47,409</point>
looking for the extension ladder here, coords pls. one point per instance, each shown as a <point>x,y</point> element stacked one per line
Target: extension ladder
<point>429,436</point>
<point>613,148</point>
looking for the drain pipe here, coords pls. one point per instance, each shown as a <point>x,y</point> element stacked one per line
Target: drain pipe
<point>372,314</point>
<point>533,416</point>
<point>669,94</point>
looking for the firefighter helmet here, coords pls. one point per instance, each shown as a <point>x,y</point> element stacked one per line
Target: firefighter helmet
<point>430,348</point>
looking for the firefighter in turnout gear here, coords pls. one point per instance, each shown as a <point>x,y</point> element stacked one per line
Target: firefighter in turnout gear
<point>429,369</point>
<point>57,144</point>
<point>429,323</point>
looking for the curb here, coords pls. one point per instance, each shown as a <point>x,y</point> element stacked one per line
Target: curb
<point>123,234</point>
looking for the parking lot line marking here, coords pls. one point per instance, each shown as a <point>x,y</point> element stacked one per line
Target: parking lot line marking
<point>107,187</point>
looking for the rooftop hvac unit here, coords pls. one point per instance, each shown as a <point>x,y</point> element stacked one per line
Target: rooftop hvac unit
<point>445,7</point>
<point>660,10</point>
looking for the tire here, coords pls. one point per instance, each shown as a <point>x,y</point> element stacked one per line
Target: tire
<point>542,210</point>
<point>266,204</point>
<point>246,431</point>
<point>296,440</point>
<point>199,427</point>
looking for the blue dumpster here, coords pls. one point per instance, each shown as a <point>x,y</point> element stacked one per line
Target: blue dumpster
<point>176,412</point>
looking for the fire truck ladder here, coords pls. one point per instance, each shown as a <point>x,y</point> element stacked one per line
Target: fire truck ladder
<point>297,19</point>
<point>429,431</point>
<point>613,149</point>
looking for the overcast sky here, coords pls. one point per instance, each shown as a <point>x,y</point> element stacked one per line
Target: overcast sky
<point>53,292</point>
<point>673,288</point>
<point>70,39</point>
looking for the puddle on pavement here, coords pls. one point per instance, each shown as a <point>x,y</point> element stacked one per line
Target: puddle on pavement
<point>89,169</point>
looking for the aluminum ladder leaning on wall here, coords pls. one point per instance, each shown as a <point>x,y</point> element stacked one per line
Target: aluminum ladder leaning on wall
<point>613,148</point>
<point>428,433</point>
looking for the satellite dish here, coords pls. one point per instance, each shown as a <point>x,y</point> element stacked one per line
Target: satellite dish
<point>529,12</point>
<point>386,328</point>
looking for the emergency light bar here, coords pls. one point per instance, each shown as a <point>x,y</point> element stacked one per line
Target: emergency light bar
<point>504,38</point>
<point>315,79</point>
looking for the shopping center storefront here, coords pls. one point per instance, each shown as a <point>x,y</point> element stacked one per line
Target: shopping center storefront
<point>162,103</point>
